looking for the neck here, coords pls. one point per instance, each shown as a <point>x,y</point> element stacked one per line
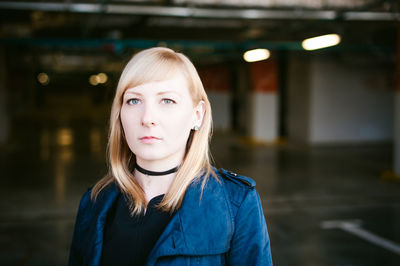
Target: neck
<point>154,185</point>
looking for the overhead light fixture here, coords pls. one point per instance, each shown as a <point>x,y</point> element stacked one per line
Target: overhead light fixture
<point>256,55</point>
<point>100,78</point>
<point>321,42</point>
<point>94,80</point>
<point>43,78</point>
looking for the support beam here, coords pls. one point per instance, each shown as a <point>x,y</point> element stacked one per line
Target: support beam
<point>396,152</point>
<point>195,12</point>
<point>3,96</point>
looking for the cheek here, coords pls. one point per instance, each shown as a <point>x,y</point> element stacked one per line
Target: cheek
<point>179,130</point>
<point>180,121</point>
<point>128,122</point>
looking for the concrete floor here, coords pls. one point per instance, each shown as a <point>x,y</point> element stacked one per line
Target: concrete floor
<point>46,166</point>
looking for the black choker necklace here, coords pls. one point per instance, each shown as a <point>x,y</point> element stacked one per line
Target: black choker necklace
<point>147,172</point>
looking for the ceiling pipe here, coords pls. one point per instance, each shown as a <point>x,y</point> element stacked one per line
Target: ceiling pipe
<point>202,12</point>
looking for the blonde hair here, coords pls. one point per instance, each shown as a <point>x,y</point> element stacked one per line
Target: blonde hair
<point>157,64</point>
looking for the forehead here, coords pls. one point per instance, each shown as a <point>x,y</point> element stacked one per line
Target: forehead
<point>177,84</point>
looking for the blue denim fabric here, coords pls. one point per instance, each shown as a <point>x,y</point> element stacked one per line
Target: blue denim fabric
<point>226,226</point>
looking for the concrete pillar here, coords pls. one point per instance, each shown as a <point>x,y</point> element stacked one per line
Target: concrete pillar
<point>299,97</point>
<point>217,83</point>
<point>397,111</point>
<point>3,97</point>
<point>240,99</point>
<point>264,101</point>
<point>397,133</point>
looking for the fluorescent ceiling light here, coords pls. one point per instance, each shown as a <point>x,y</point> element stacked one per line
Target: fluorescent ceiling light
<point>321,42</point>
<point>256,55</point>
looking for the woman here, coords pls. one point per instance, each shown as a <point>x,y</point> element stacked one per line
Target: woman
<point>162,203</point>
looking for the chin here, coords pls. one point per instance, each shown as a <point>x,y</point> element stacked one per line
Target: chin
<point>149,155</point>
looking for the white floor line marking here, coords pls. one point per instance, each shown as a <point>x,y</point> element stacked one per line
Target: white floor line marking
<point>353,227</point>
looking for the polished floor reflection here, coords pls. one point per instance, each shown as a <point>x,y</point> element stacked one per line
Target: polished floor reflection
<point>47,165</point>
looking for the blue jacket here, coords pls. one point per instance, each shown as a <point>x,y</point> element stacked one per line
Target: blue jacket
<point>225,227</point>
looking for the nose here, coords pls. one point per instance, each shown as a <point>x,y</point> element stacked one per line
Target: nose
<point>148,116</point>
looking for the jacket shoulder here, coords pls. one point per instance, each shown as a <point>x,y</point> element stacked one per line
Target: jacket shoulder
<point>91,207</point>
<point>85,199</point>
<point>236,178</point>
<point>237,186</point>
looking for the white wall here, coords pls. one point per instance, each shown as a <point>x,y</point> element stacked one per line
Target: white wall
<point>348,99</point>
<point>264,116</point>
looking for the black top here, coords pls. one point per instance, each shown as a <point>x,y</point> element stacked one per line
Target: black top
<point>128,240</point>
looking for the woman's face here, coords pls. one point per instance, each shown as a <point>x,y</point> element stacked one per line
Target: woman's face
<point>157,118</point>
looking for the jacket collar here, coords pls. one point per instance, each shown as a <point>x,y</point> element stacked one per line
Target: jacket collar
<point>203,225</point>
<point>99,211</point>
<point>200,227</point>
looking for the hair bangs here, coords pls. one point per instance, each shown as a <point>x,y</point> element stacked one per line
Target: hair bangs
<point>154,68</point>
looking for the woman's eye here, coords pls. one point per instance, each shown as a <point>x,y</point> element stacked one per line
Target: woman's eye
<point>133,101</point>
<point>168,101</point>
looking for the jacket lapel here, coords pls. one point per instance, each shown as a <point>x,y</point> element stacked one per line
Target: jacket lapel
<point>99,210</point>
<point>200,227</point>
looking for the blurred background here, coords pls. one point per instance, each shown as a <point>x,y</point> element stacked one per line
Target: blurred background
<point>315,122</point>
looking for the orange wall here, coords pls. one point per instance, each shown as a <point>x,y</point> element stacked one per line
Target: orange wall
<point>216,78</point>
<point>263,76</point>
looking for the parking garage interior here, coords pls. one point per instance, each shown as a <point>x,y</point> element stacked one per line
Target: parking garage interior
<point>319,131</point>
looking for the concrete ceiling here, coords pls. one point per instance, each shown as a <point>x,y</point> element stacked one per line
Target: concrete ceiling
<point>209,26</point>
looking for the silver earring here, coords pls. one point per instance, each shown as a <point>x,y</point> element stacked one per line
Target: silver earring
<point>196,128</point>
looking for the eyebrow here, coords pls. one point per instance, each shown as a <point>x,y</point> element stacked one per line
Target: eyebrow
<point>166,92</point>
<point>132,92</point>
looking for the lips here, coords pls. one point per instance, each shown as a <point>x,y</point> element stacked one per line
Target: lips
<point>149,139</point>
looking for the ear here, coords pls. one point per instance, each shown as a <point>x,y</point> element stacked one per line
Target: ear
<point>199,111</point>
